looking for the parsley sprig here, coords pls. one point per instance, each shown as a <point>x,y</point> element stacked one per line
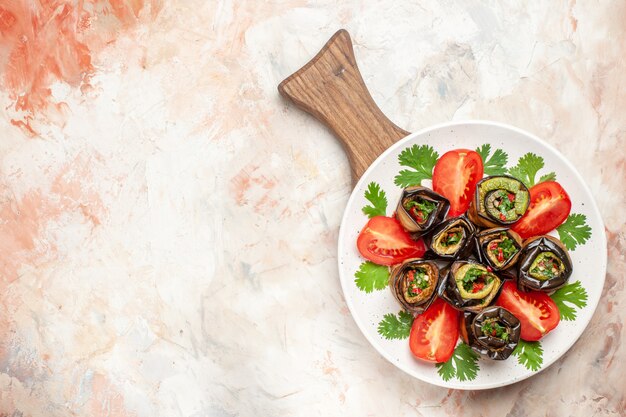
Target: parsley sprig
<point>567,298</point>
<point>421,160</point>
<point>496,164</point>
<point>378,198</point>
<point>529,354</point>
<point>371,277</point>
<point>463,365</point>
<point>574,231</point>
<point>395,327</point>
<point>527,168</point>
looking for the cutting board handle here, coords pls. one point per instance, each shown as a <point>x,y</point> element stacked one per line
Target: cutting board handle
<point>330,87</point>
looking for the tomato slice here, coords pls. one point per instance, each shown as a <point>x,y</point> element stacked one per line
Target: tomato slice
<point>434,333</point>
<point>549,207</point>
<point>384,242</point>
<point>455,176</point>
<point>535,310</point>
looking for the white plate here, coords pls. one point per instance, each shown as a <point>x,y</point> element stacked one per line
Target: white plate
<point>589,260</point>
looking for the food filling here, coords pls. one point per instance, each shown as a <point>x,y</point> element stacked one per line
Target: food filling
<point>494,328</point>
<point>450,240</point>
<point>501,249</point>
<point>501,205</point>
<point>420,209</point>
<point>415,285</point>
<point>474,282</point>
<point>503,199</point>
<point>546,266</point>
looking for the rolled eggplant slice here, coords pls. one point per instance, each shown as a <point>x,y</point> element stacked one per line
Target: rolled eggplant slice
<point>470,286</point>
<point>453,238</point>
<point>545,264</point>
<point>499,201</point>
<point>494,332</point>
<point>420,209</point>
<point>498,247</point>
<point>414,284</point>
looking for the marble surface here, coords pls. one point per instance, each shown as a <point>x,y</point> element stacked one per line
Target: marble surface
<point>168,224</point>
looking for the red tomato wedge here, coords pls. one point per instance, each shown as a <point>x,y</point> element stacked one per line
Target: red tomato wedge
<point>434,333</point>
<point>549,207</point>
<point>535,310</point>
<point>455,176</point>
<point>384,242</point>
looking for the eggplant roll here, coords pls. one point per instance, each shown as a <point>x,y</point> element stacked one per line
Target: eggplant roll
<point>499,201</point>
<point>414,283</point>
<point>544,265</point>
<point>453,238</point>
<point>498,247</point>
<point>494,332</point>
<point>470,286</point>
<point>420,209</point>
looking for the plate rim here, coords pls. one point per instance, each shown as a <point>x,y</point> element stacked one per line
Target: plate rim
<point>340,243</point>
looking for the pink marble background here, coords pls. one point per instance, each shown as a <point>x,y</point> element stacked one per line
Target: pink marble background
<point>168,224</point>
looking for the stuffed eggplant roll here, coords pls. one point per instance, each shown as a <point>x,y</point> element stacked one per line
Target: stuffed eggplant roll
<point>494,332</point>
<point>545,264</point>
<point>453,238</point>
<point>470,286</point>
<point>414,284</point>
<point>499,201</point>
<point>498,247</point>
<point>420,209</point>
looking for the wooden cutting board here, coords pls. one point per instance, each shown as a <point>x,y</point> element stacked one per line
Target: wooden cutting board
<point>330,87</point>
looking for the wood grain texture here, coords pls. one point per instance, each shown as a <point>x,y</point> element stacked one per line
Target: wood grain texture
<point>330,87</point>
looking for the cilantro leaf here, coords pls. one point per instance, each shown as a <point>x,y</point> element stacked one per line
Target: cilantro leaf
<point>574,231</point>
<point>496,164</point>
<point>421,159</point>
<point>529,354</point>
<point>377,197</point>
<point>446,370</point>
<point>527,168</point>
<point>371,277</point>
<point>463,364</point>
<point>484,151</point>
<point>550,176</point>
<point>396,327</point>
<point>565,297</point>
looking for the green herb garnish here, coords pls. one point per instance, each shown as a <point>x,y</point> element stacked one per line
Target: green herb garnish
<point>371,277</point>
<point>527,168</point>
<point>496,164</point>
<point>568,296</point>
<point>529,354</point>
<point>574,231</point>
<point>463,365</point>
<point>377,197</point>
<point>421,160</point>
<point>395,327</point>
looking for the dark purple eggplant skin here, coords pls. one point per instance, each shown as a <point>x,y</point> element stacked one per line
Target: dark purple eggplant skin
<point>490,347</point>
<point>395,284</point>
<point>436,217</point>
<point>465,249</point>
<point>484,237</point>
<point>449,291</point>
<point>531,249</point>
